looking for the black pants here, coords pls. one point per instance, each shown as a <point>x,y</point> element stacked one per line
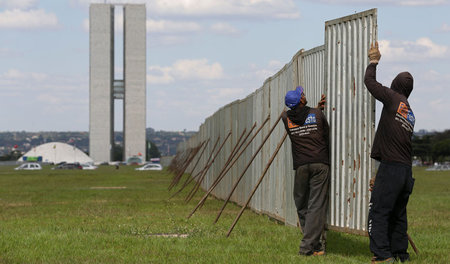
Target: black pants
<point>387,211</point>
<point>311,199</point>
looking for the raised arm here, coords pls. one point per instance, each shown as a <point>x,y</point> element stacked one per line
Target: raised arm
<point>380,92</point>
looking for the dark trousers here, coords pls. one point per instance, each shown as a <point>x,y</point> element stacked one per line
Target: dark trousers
<point>387,211</point>
<point>311,199</point>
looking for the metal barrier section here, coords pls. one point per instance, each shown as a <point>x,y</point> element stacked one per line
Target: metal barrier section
<point>351,115</point>
<point>335,69</point>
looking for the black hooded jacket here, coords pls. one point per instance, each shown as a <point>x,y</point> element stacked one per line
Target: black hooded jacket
<point>392,141</point>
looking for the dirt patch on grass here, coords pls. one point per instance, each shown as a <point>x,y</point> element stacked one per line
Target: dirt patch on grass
<point>169,235</point>
<point>108,187</point>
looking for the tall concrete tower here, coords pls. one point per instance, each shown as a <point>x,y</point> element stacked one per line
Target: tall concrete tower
<point>104,89</point>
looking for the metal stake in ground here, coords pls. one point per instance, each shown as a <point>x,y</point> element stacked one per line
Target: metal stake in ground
<point>226,167</point>
<point>202,201</point>
<point>189,179</point>
<point>412,244</point>
<point>197,186</point>
<point>230,158</point>
<point>259,182</point>
<point>246,168</point>
<point>189,160</point>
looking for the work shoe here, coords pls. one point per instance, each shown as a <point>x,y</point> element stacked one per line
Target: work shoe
<point>319,253</point>
<point>375,260</point>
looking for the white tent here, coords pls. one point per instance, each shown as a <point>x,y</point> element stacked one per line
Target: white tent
<point>56,152</point>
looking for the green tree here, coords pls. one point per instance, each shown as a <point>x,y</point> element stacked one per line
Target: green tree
<point>117,153</point>
<point>441,150</point>
<point>152,151</point>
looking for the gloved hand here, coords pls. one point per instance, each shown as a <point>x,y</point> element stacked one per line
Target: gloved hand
<point>374,53</point>
<point>321,104</point>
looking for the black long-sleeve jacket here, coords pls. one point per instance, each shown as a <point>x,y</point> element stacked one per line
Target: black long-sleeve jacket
<point>392,141</point>
<point>310,140</point>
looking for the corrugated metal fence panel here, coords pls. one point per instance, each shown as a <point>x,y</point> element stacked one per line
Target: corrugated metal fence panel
<point>351,114</point>
<point>262,102</point>
<point>337,67</point>
<point>312,74</point>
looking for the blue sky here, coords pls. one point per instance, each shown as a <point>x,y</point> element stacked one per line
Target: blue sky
<point>204,54</point>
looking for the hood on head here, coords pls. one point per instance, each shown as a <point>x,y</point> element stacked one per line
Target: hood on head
<point>403,84</point>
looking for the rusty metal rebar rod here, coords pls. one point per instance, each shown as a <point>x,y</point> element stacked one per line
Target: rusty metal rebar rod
<point>207,161</point>
<point>197,186</point>
<point>223,173</point>
<point>179,167</point>
<point>189,179</point>
<point>186,164</point>
<point>259,182</point>
<point>412,244</point>
<point>248,166</point>
<point>200,156</point>
<point>192,158</point>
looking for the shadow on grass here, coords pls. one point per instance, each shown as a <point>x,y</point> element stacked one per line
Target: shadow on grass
<point>347,245</point>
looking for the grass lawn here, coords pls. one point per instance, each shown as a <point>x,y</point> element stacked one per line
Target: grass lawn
<point>75,217</point>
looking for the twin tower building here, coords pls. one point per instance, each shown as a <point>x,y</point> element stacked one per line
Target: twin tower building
<point>104,89</point>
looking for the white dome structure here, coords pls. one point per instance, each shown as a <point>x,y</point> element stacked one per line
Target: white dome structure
<point>56,152</point>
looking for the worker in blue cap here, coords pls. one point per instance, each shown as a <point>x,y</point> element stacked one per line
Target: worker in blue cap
<point>309,134</point>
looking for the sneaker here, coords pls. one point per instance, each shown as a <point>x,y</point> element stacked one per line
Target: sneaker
<point>319,253</point>
<point>388,260</point>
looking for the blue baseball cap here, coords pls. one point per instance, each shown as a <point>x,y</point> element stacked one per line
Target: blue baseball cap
<point>292,98</point>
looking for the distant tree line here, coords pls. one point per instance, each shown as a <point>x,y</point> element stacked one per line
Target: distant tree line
<point>432,148</point>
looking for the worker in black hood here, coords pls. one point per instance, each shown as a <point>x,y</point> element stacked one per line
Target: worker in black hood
<point>403,84</point>
<point>387,222</point>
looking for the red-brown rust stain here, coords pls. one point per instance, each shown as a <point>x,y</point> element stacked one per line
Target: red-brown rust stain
<point>354,181</point>
<point>364,138</point>
<point>354,164</point>
<point>348,200</point>
<point>359,161</point>
<point>354,194</point>
<point>334,108</point>
<point>342,162</point>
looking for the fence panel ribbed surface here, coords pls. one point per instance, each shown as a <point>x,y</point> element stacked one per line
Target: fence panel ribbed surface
<point>335,69</point>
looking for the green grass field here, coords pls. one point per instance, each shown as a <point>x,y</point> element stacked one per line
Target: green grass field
<point>74,217</point>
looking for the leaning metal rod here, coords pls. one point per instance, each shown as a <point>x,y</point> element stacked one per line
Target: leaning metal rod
<point>189,179</point>
<point>197,149</point>
<point>207,161</point>
<point>182,158</point>
<point>199,157</point>
<point>197,186</point>
<point>222,175</point>
<point>202,201</point>
<point>181,172</point>
<point>233,153</point>
<point>246,168</point>
<point>235,150</point>
<point>259,182</point>
<point>412,244</point>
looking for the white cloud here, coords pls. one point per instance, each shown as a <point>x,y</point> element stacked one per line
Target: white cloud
<point>273,9</point>
<point>386,2</point>
<point>32,19</point>
<point>13,74</point>
<point>445,28</point>
<point>181,70</point>
<point>264,72</point>
<point>17,4</point>
<point>279,9</point>
<point>167,26</point>
<point>419,50</point>
<point>156,26</point>
<point>224,29</point>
